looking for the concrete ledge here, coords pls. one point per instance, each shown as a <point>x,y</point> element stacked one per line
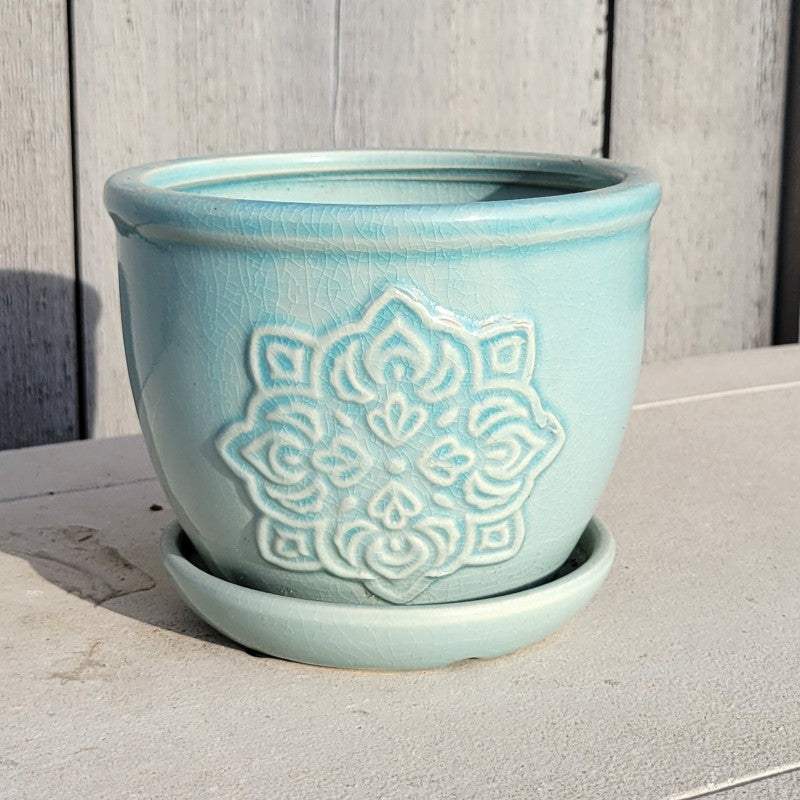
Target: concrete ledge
<point>678,681</point>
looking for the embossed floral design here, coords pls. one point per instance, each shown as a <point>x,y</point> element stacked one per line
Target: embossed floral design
<point>396,448</point>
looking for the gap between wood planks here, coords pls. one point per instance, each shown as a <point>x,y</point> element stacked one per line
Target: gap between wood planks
<point>721,788</point>
<point>694,398</point>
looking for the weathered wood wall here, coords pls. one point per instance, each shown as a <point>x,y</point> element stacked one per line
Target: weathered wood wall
<point>155,80</point>
<point>696,94</point>
<point>38,357</point>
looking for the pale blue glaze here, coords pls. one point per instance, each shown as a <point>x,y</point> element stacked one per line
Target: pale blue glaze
<point>221,257</point>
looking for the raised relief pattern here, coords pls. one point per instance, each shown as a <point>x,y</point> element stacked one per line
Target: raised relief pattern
<point>396,448</point>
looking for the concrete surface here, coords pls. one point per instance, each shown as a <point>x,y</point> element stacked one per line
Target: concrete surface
<point>679,681</point>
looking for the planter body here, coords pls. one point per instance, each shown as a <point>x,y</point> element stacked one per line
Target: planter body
<point>397,377</point>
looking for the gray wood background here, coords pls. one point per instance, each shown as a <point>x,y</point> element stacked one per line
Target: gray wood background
<point>696,93</point>
<point>39,362</point>
<point>698,96</point>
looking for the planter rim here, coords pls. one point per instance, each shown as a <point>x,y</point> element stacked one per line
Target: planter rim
<point>154,201</point>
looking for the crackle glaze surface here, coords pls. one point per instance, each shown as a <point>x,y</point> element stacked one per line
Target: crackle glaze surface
<point>359,402</point>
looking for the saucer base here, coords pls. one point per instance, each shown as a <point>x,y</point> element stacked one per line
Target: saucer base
<point>389,637</point>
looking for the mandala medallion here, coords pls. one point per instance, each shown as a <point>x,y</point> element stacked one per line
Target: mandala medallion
<point>394,449</point>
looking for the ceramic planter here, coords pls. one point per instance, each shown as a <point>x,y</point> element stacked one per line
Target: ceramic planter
<point>381,379</point>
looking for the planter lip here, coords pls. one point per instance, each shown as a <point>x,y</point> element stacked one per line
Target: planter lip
<point>154,201</point>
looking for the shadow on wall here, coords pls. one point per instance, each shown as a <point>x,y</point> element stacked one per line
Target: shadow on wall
<point>42,399</point>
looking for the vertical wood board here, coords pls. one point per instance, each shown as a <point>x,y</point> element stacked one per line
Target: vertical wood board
<point>494,74</point>
<point>698,96</point>
<point>38,356</point>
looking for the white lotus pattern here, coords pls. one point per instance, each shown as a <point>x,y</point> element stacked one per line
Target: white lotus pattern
<point>394,449</point>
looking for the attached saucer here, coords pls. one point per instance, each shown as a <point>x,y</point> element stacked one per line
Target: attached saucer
<point>389,637</point>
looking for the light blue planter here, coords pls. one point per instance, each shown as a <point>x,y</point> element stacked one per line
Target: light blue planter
<point>372,378</point>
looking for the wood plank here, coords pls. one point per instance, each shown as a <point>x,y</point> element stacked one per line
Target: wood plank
<point>159,80</point>
<point>38,357</point>
<point>484,74</point>
<point>151,84</point>
<point>697,96</point>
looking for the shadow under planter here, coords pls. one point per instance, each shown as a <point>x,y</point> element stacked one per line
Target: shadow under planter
<point>79,560</point>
